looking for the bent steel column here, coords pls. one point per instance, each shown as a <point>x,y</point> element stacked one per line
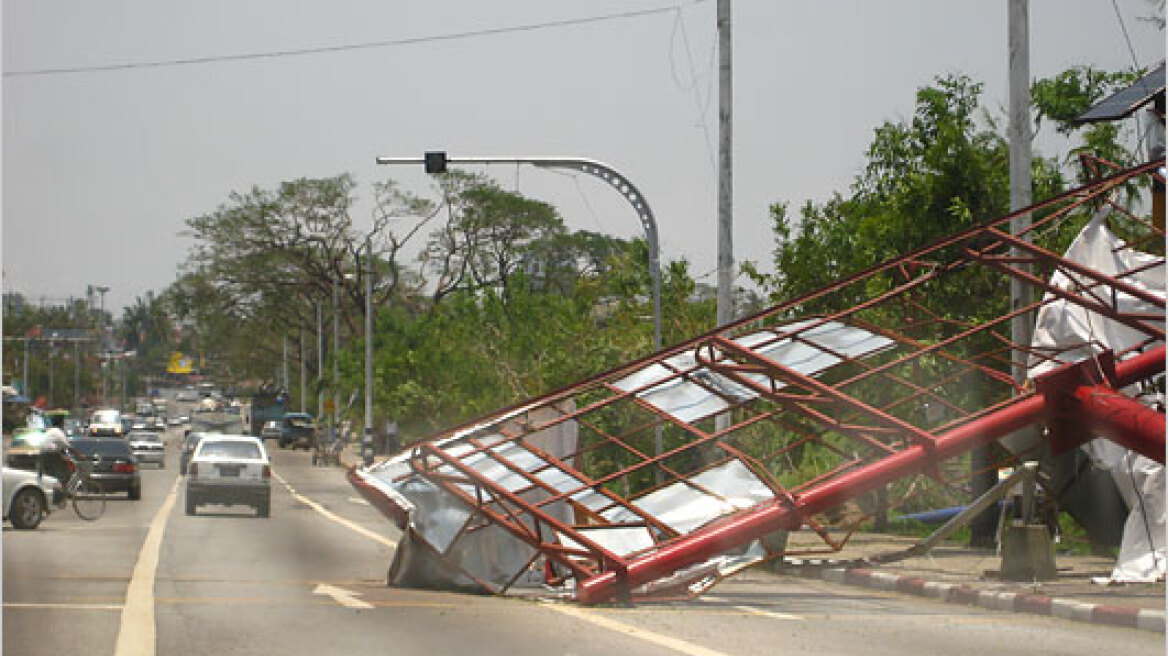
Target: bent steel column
<point>1107,413</point>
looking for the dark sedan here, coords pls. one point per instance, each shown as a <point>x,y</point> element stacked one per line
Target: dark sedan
<point>114,465</point>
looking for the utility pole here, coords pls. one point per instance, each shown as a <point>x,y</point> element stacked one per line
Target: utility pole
<point>303,373</point>
<point>367,435</point>
<point>52,366</point>
<point>284,369</point>
<point>1021,327</point>
<point>336,370</point>
<point>76,374</point>
<point>24,374</point>
<point>319,362</point>
<point>725,168</point>
<point>983,474</point>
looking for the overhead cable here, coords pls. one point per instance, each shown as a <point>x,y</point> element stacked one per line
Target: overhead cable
<point>299,52</point>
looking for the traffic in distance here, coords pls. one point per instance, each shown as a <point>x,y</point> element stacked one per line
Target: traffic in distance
<point>61,456</point>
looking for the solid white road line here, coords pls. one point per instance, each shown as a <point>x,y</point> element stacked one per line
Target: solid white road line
<point>136,633</point>
<point>346,598</point>
<point>336,518</point>
<point>752,610</point>
<point>669,642</point>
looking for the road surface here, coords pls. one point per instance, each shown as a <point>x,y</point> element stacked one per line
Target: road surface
<point>147,579</point>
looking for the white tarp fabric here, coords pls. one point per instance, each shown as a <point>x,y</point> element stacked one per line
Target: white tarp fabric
<point>1070,333</point>
<point>1142,554</point>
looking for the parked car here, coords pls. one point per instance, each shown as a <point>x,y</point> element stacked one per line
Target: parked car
<point>29,497</point>
<point>271,430</point>
<point>297,430</point>
<point>106,423</point>
<point>114,466</point>
<point>147,447</point>
<point>230,470</point>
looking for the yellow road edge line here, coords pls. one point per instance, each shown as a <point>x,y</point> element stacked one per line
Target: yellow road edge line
<point>392,544</point>
<point>136,631</point>
<point>669,642</point>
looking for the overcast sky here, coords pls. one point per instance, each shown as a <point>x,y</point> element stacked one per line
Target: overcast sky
<point>102,167</point>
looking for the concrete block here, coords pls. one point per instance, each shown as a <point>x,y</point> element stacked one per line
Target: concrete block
<point>1027,554</point>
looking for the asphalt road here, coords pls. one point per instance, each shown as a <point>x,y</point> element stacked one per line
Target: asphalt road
<point>310,580</point>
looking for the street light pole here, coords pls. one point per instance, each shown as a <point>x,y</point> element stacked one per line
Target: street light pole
<point>597,169</point>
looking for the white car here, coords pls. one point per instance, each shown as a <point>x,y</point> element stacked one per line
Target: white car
<point>28,497</point>
<point>147,447</point>
<point>230,470</point>
<point>106,423</point>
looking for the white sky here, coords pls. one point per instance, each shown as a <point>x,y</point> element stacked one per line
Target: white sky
<point>100,169</point>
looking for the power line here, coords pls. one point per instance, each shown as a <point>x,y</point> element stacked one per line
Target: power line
<point>298,52</point>
<point>1126,37</point>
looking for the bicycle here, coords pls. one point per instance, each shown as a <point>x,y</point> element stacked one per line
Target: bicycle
<point>328,452</point>
<point>86,494</point>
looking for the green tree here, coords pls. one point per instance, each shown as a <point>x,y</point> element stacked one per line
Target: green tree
<point>1063,97</point>
<point>942,171</point>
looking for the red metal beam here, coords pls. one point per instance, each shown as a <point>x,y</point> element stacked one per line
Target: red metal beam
<point>1107,413</point>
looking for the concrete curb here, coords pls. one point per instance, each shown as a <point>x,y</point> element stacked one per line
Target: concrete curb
<point>1120,616</point>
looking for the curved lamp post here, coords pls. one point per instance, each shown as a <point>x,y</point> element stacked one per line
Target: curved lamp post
<point>435,162</point>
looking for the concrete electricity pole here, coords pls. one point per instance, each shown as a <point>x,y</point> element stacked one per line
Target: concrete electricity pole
<point>336,366</point>
<point>983,474</point>
<point>725,297</point>
<point>284,367</point>
<point>1021,327</point>
<point>319,363</point>
<point>303,373</point>
<point>367,435</point>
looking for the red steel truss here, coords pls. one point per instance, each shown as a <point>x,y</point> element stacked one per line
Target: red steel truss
<point>644,477</point>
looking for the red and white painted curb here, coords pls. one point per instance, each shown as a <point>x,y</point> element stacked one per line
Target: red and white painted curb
<point>1121,616</point>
